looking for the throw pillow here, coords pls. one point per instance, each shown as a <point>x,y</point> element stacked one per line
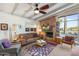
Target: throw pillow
<point>6,43</point>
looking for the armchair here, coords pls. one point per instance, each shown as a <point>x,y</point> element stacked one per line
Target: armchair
<point>69,40</point>
<point>11,51</point>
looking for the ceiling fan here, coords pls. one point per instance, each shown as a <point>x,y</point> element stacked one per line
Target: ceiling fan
<point>41,9</point>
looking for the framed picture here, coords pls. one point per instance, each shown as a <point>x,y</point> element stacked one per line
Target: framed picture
<point>34,29</point>
<point>26,29</point>
<point>3,26</point>
<point>31,29</point>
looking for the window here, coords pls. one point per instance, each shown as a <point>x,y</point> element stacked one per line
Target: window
<point>72,25</point>
<point>72,17</point>
<point>69,25</point>
<point>61,20</point>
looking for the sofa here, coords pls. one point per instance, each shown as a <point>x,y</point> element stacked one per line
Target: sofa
<point>13,50</point>
<point>27,38</point>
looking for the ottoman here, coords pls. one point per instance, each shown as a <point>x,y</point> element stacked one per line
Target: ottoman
<point>40,43</point>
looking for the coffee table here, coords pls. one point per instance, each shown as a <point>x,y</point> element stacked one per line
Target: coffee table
<point>40,43</point>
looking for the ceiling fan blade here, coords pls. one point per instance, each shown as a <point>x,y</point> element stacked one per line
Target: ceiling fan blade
<point>44,7</point>
<point>42,12</point>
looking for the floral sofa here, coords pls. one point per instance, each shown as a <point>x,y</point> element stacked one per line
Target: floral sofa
<point>27,38</point>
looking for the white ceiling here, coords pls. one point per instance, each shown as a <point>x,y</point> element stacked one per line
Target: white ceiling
<point>26,9</point>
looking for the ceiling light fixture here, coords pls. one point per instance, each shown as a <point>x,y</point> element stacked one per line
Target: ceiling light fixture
<point>36,11</point>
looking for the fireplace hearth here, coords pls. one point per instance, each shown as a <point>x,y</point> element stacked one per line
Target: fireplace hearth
<point>49,34</point>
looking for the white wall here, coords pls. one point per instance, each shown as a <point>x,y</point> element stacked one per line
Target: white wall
<point>12,19</point>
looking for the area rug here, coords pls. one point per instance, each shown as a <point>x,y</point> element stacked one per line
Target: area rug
<point>39,51</point>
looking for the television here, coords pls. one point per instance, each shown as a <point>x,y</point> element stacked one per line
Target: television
<point>49,34</point>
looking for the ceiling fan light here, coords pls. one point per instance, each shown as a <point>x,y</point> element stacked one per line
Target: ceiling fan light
<point>36,11</point>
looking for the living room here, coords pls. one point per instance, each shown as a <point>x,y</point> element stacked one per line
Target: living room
<point>39,29</point>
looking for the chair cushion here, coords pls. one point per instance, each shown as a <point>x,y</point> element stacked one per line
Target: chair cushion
<point>30,40</point>
<point>69,38</point>
<point>6,43</point>
<point>16,45</point>
<point>68,42</point>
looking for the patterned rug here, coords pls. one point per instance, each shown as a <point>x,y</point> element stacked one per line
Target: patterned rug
<point>38,51</point>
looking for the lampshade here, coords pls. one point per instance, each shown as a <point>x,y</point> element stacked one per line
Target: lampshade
<point>40,30</point>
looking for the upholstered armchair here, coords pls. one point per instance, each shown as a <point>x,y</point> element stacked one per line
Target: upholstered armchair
<point>10,49</point>
<point>69,40</point>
